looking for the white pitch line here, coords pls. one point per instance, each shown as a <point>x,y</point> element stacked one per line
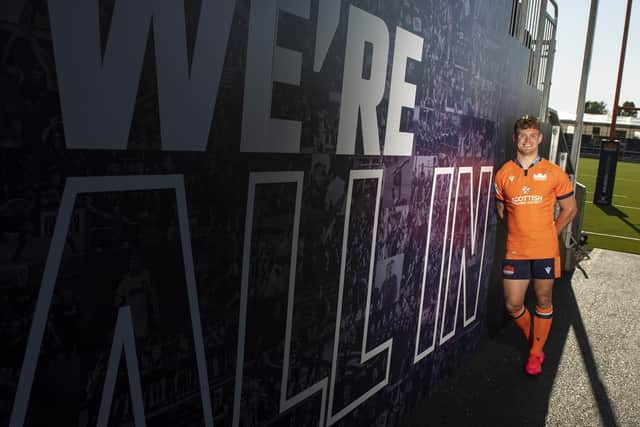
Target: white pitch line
<point>615,195</point>
<point>612,235</point>
<point>617,179</point>
<point>627,207</point>
<point>621,206</point>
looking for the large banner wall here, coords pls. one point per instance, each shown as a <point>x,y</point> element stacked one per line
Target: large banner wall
<point>247,213</point>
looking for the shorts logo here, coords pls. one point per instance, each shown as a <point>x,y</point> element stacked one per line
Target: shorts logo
<point>539,176</point>
<point>509,270</point>
<point>547,269</point>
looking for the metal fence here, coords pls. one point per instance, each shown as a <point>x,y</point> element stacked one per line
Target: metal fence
<point>590,147</point>
<point>534,23</point>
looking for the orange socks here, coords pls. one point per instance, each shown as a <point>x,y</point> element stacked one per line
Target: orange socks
<point>541,327</point>
<point>523,320</point>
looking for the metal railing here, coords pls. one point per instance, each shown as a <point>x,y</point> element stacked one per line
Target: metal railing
<point>534,25</point>
<point>561,148</point>
<point>547,56</point>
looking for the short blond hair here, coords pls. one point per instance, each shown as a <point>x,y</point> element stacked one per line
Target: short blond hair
<point>526,122</point>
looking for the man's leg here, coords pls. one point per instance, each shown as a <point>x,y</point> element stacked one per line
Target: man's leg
<point>541,324</point>
<point>544,313</point>
<point>514,293</point>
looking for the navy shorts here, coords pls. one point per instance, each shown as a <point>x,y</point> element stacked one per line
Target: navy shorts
<point>518,269</point>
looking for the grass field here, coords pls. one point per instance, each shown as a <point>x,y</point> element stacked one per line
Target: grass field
<point>615,227</point>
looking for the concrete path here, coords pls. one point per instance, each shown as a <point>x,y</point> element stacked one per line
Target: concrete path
<point>591,372</point>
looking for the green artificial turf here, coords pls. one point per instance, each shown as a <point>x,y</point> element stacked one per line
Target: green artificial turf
<point>622,218</point>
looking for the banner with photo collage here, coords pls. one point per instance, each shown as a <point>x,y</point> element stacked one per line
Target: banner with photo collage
<point>245,213</point>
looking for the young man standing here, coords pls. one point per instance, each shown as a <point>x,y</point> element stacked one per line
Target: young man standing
<point>527,189</point>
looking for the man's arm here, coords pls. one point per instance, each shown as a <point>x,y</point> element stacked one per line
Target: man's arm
<point>500,209</point>
<point>568,211</point>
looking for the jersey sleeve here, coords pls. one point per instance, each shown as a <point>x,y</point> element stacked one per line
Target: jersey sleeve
<point>497,186</point>
<point>564,187</point>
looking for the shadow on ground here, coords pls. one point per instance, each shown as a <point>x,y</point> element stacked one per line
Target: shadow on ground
<point>613,211</point>
<point>493,390</point>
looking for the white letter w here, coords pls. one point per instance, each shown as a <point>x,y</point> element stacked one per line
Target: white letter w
<point>97,93</point>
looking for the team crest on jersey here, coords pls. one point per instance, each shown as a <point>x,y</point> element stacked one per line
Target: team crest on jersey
<point>511,178</point>
<point>525,190</point>
<point>539,176</point>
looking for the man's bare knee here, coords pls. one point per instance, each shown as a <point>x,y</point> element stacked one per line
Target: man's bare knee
<point>543,301</point>
<point>512,308</point>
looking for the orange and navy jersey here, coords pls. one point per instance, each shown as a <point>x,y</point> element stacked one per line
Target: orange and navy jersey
<point>529,196</point>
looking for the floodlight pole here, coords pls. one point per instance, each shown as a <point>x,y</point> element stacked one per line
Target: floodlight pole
<point>584,78</point>
<point>623,50</point>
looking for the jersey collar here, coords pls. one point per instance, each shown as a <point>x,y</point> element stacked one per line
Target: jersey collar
<point>517,162</point>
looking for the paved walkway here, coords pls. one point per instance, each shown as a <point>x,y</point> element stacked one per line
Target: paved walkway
<point>590,375</point>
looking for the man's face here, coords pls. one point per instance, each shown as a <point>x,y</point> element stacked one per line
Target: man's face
<point>527,140</point>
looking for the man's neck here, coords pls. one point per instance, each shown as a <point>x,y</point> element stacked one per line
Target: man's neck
<point>526,160</point>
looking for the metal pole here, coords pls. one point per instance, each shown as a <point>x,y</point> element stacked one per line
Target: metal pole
<point>623,50</point>
<point>586,65</point>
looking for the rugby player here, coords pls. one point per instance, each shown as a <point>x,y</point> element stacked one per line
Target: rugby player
<point>527,189</point>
